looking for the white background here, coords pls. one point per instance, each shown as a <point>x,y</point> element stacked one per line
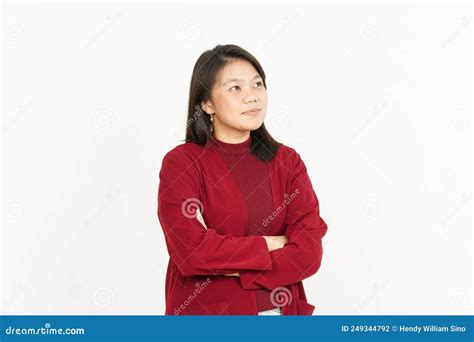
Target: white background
<point>376,98</point>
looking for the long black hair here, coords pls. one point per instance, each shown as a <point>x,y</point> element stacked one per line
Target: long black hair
<point>198,126</point>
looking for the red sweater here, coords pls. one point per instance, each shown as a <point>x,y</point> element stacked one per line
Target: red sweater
<point>251,176</point>
<point>241,198</point>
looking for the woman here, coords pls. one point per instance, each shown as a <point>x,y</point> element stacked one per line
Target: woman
<point>239,214</point>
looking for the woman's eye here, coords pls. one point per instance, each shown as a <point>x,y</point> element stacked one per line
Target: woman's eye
<point>259,83</point>
<point>234,87</point>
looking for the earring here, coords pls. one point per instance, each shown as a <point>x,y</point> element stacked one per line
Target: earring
<point>212,121</point>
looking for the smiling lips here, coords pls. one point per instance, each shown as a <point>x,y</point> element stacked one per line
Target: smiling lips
<point>252,111</point>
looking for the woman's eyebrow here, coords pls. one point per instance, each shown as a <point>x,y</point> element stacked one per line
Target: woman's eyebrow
<point>238,79</point>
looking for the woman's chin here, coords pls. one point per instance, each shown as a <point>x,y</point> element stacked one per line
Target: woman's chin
<point>251,126</point>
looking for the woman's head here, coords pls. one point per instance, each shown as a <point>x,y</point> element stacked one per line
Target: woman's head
<point>226,84</point>
<point>238,87</point>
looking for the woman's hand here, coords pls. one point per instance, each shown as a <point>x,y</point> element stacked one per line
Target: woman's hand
<point>200,218</point>
<point>275,242</point>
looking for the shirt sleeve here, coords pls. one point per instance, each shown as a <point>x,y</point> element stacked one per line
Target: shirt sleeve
<point>301,257</point>
<point>193,248</point>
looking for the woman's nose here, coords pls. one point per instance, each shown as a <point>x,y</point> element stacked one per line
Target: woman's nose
<point>251,97</point>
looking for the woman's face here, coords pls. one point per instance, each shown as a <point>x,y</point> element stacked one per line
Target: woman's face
<point>238,89</point>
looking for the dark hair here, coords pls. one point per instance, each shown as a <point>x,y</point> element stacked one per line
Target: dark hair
<point>198,128</point>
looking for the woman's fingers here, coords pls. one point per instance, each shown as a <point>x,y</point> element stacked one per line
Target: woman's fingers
<point>281,241</point>
<point>200,218</point>
<point>275,242</point>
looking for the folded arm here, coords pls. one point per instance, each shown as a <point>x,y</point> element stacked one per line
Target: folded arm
<point>193,248</point>
<point>301,256</point>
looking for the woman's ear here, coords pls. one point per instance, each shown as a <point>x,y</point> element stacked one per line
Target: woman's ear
<point>207,107</point>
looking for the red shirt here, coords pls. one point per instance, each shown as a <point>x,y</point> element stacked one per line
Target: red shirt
<point>241,198</point>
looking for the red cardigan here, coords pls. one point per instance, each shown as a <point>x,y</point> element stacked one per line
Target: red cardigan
<point>193,175</point>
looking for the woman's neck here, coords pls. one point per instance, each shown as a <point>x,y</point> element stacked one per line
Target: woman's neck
<point>232,137</point>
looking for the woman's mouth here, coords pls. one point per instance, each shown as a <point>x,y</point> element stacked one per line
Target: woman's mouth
<point>252,111</point>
